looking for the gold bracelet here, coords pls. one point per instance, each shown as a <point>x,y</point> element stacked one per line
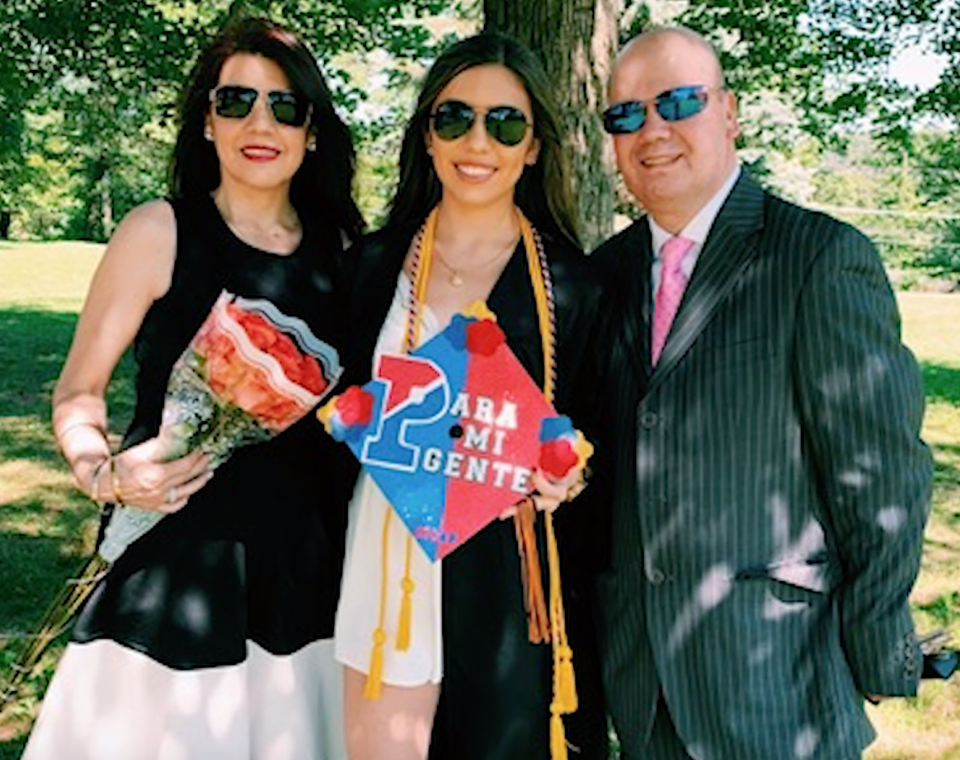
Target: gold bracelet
<point>95,480</point>
<point>115,483</point>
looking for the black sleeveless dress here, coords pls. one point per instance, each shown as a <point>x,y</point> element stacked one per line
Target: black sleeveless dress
<point>235,594</point>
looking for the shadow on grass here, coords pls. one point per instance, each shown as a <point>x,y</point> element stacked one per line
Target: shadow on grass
<point>13,749</point>
<point>33,570</point>
<point>32,352</point>
<point>941,383</point>
<point>946,475</point>
<point>44,532</point>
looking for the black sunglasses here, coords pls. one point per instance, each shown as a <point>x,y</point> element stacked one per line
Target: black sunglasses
<point>235,102</point>
<point>505,124</point>
<point>673,105</point>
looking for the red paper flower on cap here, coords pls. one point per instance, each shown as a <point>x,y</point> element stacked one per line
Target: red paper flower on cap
<point>355,406</point>
<point>484,337</point>
<point>557,457</point>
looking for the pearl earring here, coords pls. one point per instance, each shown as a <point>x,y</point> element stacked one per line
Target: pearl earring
<point>208,133</point>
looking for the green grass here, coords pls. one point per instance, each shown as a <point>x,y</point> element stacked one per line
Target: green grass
<point>47,527</point>
<point>48,276</point>
<point>928,728</point>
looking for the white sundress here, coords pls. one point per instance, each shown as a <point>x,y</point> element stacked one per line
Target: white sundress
<point>358,611</point>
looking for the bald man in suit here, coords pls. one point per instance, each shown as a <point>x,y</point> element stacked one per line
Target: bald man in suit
<point>769,487</point>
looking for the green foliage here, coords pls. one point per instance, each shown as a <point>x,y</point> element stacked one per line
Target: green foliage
<point>104,77</point>
<point>88,87</point>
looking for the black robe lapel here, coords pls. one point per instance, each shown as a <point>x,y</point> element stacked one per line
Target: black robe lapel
<point>637,258</point>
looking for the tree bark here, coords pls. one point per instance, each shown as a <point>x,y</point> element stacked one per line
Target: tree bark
<point>576,41</point>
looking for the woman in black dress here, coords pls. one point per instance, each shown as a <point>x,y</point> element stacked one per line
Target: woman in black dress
<point>483,210</point>
<point>209,636</point>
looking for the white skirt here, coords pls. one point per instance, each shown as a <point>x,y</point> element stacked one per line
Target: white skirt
<point>107,702</point>
<point>358,611</point>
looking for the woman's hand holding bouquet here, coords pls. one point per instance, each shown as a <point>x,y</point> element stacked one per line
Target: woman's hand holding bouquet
<point>249,373</point>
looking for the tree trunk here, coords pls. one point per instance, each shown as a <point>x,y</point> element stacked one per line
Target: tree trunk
<point>576,41</point>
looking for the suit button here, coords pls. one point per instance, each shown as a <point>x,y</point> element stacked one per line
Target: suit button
<point>656,576</point>
<point>649,420</point>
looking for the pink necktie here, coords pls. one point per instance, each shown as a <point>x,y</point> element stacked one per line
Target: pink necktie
<point>672,284</point>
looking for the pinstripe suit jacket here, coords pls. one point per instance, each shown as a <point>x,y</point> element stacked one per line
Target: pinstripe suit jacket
<point>769,490</point>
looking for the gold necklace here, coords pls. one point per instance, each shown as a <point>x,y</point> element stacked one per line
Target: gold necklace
<point>454,279</point>
<point>455,276</point>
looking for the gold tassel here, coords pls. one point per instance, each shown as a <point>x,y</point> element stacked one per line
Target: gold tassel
<point>406,603</point>
<point>566,684</point>
<point>373,687</point>
<point>558,739</point>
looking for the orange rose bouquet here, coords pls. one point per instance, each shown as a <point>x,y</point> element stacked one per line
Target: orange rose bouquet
<point>248,374</point>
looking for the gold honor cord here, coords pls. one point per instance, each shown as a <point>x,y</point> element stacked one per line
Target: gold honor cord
<point>564,685</point>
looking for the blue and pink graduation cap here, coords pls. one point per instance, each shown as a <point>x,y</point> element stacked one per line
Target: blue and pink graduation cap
<point>452,431</point>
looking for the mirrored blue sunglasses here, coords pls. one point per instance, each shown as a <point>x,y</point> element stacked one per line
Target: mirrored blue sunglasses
<point>673,105</point>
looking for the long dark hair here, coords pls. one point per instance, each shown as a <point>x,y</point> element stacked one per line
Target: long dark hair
<point>323,185</point>
<point>544,192</point>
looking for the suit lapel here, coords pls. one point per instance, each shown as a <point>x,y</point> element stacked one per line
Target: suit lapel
<point>729,249</point>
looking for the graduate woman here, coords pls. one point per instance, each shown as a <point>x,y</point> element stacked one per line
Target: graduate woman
<point>483,211</point>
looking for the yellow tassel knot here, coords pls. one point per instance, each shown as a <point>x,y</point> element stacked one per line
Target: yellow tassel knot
<point>374,685</point>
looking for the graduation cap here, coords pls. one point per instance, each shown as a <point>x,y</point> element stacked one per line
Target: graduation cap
<point>452,431</point>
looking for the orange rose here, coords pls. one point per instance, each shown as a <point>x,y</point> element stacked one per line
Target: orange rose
<point>253,393</point>
<point>282,413</point>
<point>224,366</point>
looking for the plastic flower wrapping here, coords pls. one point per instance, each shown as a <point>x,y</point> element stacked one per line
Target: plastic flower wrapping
<point>248,374</point>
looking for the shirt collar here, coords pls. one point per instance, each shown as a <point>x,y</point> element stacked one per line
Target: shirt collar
<point>697,228</point>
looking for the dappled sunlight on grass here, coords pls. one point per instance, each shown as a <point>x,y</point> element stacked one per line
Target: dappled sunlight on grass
<point>924,728</point>
<point>20,477</point>
<point>47,527</point>
<point>928,728</point>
